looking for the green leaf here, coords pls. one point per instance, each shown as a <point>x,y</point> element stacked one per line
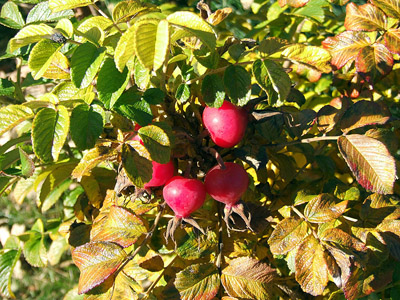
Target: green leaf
<point>54,195</point>
<point>122,227</point>
<point>10,16</point>
<point>390,7</point>
<point>208,58</point>
<point>138,168</point>
<point>102,152</point>
<point>12,115</point>
<point>363,113</point>
<point>237,82</point>
<point>42,13</point>
<point>42,56</point>
<point>370,162</point>
<point>35,251</point>
<point>9,158</point>
<point>157,142</point>
<point>125,49</point>
<point>190,246</point>
<point>49,132</point>
<point>8,260</point>
<point>30,34</point>
<point>6,87</point>
<point>154,96</point>
<point>212,89</point>
<point>190,24</point>
<point>287,235</point>
<point>27,165</point>
<point>324,208</point>
<point>366,17</point>
<point>311,56</point>
<point>133,107</point>
<point>125,10</point>
<point>248,278</point>
<point>313,10</point>
<point>200,281</point>
<point>141,74</point>
<point>151,42</point>
<point>97,261</point>
<point>292,3</point>
<point>86,125</point>
<point>311,267</point>
<point>345,46</point>
<point>85,63</point>
<point>182,93</point>
<point>111,83</point>
<point>269,73</point>
<point>57,249</point>
<point>59,5</point>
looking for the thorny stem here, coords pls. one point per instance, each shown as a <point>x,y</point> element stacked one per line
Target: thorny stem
<point>216,155</point>
<point>305,141</point>
<point>153,285</point>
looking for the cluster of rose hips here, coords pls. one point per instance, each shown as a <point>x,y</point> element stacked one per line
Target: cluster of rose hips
<point>225,183</point>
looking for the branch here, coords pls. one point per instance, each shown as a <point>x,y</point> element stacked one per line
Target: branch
<point>305,141</point>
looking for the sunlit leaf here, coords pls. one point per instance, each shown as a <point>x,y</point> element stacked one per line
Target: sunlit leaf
<point>345,46</point>
<point>42,13</point>
<point>125,49</point>
<point>363,113</point>
<point>366,17</point>
<point>34,249</point>
<point>219,15</point>
<point>30,34</point>
<point>292,3</point>
<point>237,82</point>
<point>126,10</point>
<point>311,56</point>
<point>311,267</point>
<point>287,235</point>
<point>392,40</point>
<point>122,227</point>
<point>190,246</point>
<point>12,115</point>
<point>341,239</point>
<point>42,56</point>
<point>192,25</point>
<point>92,158</point>
<point>390,7</point>
<point>370,161</point>
<point>59,5</point>
<point>97,261</point>
<point>198,282</point>
<point>49,132</point>
<point>324,208</point>
<point>8,260</point>
<point>248,278</point>
<point>10,16</point>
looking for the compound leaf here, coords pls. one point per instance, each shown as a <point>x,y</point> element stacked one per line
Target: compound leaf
<point>97,261</point>
<point>370,162</point>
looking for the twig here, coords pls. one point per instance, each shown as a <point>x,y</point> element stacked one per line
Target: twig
<point>305,141</point>
<point>216,155</point>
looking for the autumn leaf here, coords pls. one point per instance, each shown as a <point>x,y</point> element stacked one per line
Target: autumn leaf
<point>97,261</point>
<point>345,46</point>
<point>390,7</point>
<point>370,162</point>
<point>392,40</point>
<point>248,278</point>
<point>324,208</point>
<point>311,267</point>
<point>287,235</point>
<point>365,17</point>
<point>341,239</point>
<point>292,3</point>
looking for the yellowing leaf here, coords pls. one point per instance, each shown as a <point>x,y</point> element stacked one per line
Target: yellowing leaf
<point>391,226</point>
<point>30,34</point>
<point>370,162</point>
<point>49,132</point>
<point>198,282</point>
<point>374,62</point>
<point>219,15</point>
<point>156,140</point>
<point>311,56</point>
<point>192,25</point>
<point>59,5</point>
<point>364,113</point>
<point>324,208</point>
<point>97,261</point>
<point>125,49</point>
<point>126,10</point>
<point>292,3</point>
<point>92,158</point>
<point>58,68</point>
<point>343,240</point>
<point>138,168</point>
<point>345,46</point>
<point>392,40</point>
<point>311,267</point>
<point>190,246</point>
<point>248,278</point>
<point>390,7</point>
<point>41,57</point>
<point>365,17</point>
<point>287,235</point>
<point>122,227</point>
<point>12,115</point>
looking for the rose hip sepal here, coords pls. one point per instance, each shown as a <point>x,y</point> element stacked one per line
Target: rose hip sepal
<point>183,196</point>
<point>227,184</point>
<point>226,124</point>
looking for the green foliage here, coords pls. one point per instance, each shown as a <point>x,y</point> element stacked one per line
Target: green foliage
<point>125,93</point>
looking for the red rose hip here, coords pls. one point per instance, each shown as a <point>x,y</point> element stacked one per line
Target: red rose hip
<point>161,174</point>
<point>227,185</point>
<point>184,195</point>
<point>226,124</point>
